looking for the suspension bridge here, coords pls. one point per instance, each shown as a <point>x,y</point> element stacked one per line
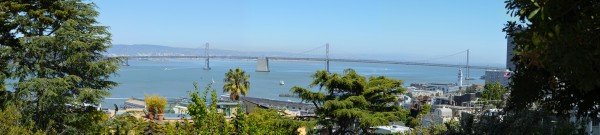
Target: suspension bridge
<point>263,62</point>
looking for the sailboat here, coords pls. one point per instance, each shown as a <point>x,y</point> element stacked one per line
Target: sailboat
<point>281,82</point>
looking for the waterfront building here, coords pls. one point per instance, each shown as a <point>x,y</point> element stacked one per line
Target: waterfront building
<point>499,76</point>
<point>444,87</point>
<point>294,109</point>
<point>229,109</point>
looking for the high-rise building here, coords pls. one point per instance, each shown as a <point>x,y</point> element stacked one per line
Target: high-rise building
<point>510,47</point>
<point>497,76</point>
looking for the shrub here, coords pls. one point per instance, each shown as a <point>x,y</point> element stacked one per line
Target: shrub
<point>155,103</point>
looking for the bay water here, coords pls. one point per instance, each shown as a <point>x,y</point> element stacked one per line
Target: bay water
<point>174,78</point>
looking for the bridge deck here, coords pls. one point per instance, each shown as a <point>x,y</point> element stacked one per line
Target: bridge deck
<point>311,59</point>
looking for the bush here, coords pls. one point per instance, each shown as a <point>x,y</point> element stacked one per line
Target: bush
<point>155,104</point>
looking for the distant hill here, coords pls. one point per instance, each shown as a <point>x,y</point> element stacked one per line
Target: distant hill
<point>159,50</point>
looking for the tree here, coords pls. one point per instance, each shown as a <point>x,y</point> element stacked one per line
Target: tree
<point>416,114</point>
<point>437,129</point>
<point>240,122</point>
<point>271,122</point>
<point>454,128</point>
<point>53,50</point>
<point>493,91</point>
<point>206,118</point>
<point>472,89</point>
<point>236,83</point>
<point>352,103</point>
<point>125,124</point>
<point>197,108</point>
<point>556,55</point>
<point>10,122</point>
<point>155,105</point>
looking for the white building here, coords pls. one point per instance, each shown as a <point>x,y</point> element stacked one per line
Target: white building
<point>391,129</point>
<point>439,116</point>
<point>404,101</point>
<point>436,93</point>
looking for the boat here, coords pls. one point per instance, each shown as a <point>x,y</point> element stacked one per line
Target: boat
<point>281,83</point>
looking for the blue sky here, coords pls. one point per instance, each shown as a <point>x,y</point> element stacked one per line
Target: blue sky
<point>394,29</point>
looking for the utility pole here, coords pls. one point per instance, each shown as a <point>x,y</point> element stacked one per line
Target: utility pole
<point>206,49</point>
<point>327,55</point>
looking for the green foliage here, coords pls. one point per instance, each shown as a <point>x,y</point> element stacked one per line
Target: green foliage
<point>53,51</point>
<point>197,108</point>
<point>493,95</point>
<point>237,83</point>
<point>437,129</point>
<point>413,122</point>
<point>353,103</point>
<point>453,128</point>
<point>270,122</point>
<point>522,122</point>
<point>417,113</point>
<point>472,89</point>
<point>126,124</point>
<point>206,119</point>
<point>556,54</point>
<point>10,123</point>
<point>425,109</point>
<point>240,122</point>
<point>155,103</point>
<point>493,91</point>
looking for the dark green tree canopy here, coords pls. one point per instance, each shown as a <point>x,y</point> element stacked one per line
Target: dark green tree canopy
<point>557,55</point>
<point>353,103</point>
<point>53,52</point>
<point>493,91</point>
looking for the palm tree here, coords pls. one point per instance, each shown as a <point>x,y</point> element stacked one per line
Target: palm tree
<point>236,83</point>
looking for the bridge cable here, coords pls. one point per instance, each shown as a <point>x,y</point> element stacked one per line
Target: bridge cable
<point>307,51</point>
<point>310,50</point>
<point>440,57</point>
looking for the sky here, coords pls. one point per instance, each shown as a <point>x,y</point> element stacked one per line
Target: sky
<point>410,30</point>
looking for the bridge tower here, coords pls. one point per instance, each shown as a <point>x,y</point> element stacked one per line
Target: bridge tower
<point>125,58</point>
<point>262,64</point>
<point>468,74</point>
<point>327,56</point>
<point>207,62</point>
<point>126,62</point>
